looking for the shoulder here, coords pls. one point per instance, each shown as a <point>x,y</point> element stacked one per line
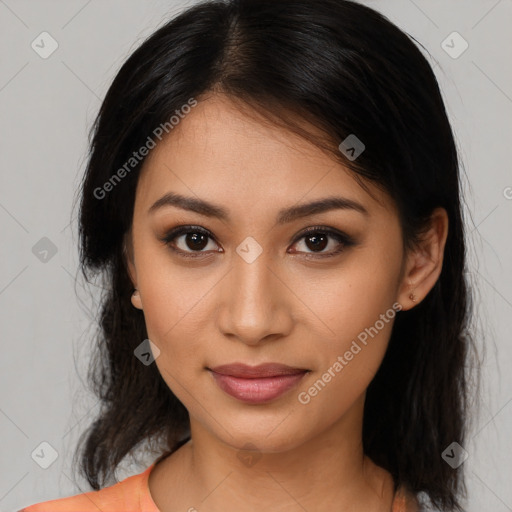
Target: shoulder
<point>128,495</point>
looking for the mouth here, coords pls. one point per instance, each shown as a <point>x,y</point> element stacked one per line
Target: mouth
<point>256,384</point>
<point>245,371</point>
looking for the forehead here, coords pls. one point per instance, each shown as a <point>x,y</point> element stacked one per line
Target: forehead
<point>220,150</point>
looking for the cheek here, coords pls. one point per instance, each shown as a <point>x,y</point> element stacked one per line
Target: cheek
<point>170,303</point>
<point>353,298</point>
<point>169,292</point>
<point>356,309</point>
<point>349,364</point>
<point>172,324</point>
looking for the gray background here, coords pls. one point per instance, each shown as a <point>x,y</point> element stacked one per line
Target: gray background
<point>48,106</point>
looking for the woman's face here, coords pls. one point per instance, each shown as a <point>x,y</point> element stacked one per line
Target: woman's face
<point>256,289</point>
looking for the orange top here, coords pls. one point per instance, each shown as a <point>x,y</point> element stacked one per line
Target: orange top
<point>132,495</point>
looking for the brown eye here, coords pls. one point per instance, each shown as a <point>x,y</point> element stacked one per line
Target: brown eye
<point>317,239</point>
<point>196,241</point>
<point>317,242</point>
<point>188,240</point>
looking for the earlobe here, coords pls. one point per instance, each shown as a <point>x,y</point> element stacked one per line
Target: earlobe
<point>424,263</point>
<point>136,300</point>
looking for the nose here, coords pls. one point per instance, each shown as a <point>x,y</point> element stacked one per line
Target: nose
<point>255,303</point>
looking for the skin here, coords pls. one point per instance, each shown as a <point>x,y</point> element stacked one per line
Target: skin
<point>282,307</point>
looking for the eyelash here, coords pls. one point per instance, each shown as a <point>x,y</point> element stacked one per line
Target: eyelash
<point>344,240</point>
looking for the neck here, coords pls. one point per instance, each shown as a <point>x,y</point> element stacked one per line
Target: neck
<point>327,472</point>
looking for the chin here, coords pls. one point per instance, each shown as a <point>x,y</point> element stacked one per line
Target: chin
<point>263,440</point>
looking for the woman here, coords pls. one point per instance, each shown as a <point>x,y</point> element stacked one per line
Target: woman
<point>272,196</point>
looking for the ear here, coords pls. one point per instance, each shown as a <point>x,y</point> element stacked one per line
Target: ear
<point>425,262</point>
<point>131,269</point>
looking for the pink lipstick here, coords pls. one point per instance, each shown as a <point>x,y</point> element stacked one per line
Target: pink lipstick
<point>256,384</point>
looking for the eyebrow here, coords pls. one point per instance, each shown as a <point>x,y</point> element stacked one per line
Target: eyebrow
<point>284,216</point>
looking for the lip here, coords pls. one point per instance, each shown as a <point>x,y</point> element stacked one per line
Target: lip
<point>256,384</point>
<point>264,370</point>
